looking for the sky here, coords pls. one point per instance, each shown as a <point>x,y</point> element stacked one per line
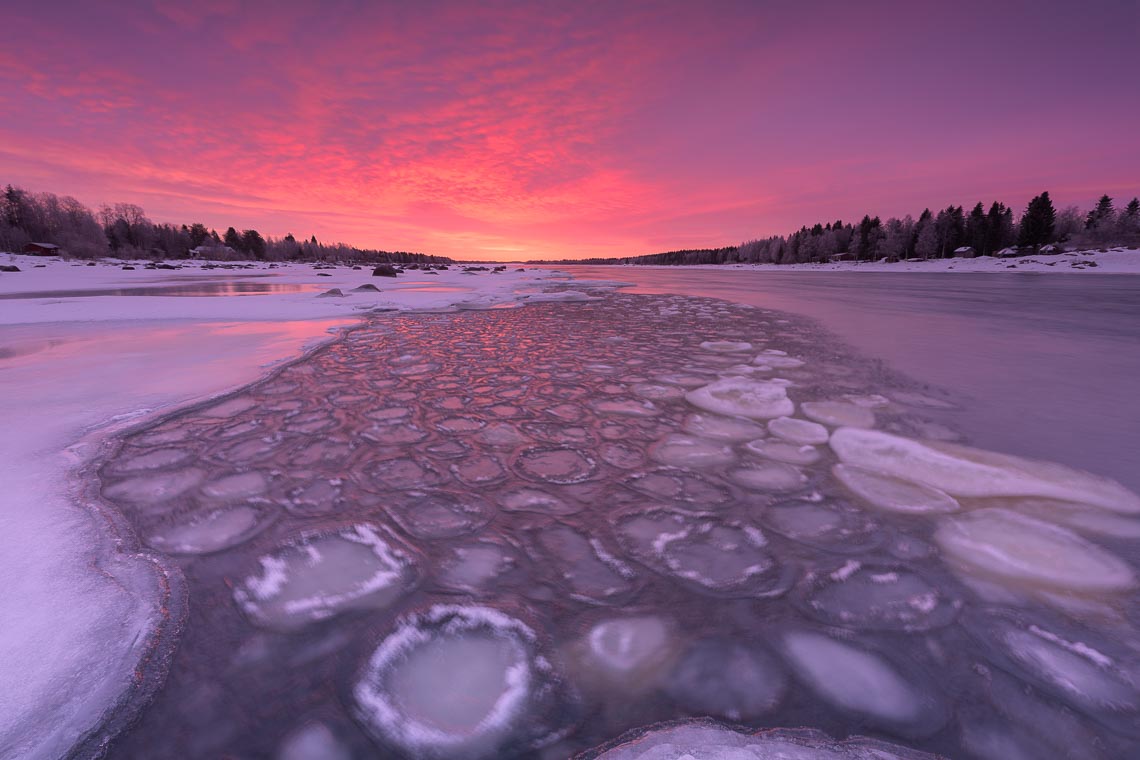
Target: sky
<point>515,131</point>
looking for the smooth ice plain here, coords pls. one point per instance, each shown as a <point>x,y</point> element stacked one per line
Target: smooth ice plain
<point>536,532</point>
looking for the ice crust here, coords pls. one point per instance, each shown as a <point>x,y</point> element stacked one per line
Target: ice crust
<point>798,431</point>
<point>892,494</point>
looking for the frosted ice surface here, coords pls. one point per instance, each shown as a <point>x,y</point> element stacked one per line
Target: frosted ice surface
<point>1010,547</point>
<point>726,346</point>
<point>685,451</point>
<point>229,408</point>
<point>439,514</point>
<point>853,679</point>
<point>718,428</point>
<point>802,454</point>
<point>313,741</point>
<point>966,472</point>
<point>707,740</point>
<point>894,495</point>
<point>456,682</point>
<point>774,359</point>
<point>722,678</point>
<point>321,574</point>
<point>502,435</point>
<point>839,414</point>
<point>877,597</point>
<point>211,531</point>
<point>626,647</point>
<point>657,391</point>
<point>798,431</point>
<point>741,397</point>
<point>1075,516</point>
<point>770,476</point>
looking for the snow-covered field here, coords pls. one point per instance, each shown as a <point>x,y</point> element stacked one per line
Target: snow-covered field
<point>78,605</point>
<point>1115,261</point>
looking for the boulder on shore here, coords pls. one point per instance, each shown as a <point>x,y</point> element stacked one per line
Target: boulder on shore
<point>384,270</point>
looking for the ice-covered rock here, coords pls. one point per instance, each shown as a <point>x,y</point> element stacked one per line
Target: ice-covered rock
<point>798,431</point>
<point>876,598</point>
<point>768,476</point>
<point>722,678</point>
<point>433,514</point>
<point>708,740</point>
<point>1012,548</point>
<point>892,494</point>
<point>321,574</point>
<point>839,414</point>
<point>741,397</point>
<point>534,500</point>
<point>212,531</point>
<point>726,346</point>
<point>718,428</point>
<point>458,682</point>
<point>966,472</point>
<point>780,451</point>
<point>718,557</point>
<point>859,681</point>
<point>686,451</point>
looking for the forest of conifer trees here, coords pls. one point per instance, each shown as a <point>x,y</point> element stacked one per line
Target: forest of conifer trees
<point>985,232</point>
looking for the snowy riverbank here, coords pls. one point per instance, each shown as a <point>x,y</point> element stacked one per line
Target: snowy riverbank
<point>78,361</point>
<point>1116,261</point>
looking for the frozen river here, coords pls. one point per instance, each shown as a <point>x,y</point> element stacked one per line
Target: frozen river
<point>484,532</point>
<point>1044,366</point>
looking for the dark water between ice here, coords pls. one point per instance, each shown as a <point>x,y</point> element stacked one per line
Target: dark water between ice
<point>1046,366</point>
<point>508,533</point>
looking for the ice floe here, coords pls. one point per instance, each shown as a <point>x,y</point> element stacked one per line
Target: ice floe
<point>769,476</point>
<point>717,428</point>
<point>780,451</point>
<point>686,451</point>
<point>892,494</point>
<point>824,525</point>
<point>966,472</point>
<point>321,574</point>
<point>628,652</point>
<point>877,597</point>
<point>433,514</point>
<point>458,682</point>
<point>726,346</point>
<point>741,397</point>
<point>854,679</point>
<point>723,678</point>
<point>798,431</point>
<point>212,531</point>
<point>718,557</point>
<point>838,414</point>
<point>590,572</point>
<point>1013,548</point>
<point>555,465</point>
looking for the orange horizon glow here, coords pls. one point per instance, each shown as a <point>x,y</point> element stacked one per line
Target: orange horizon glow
<point>516,131</point>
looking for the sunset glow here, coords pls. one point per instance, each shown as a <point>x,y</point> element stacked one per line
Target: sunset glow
<point>513,131</point>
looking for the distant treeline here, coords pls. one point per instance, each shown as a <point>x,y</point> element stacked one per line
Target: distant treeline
<point>934,235</point>
<point>123,230</point>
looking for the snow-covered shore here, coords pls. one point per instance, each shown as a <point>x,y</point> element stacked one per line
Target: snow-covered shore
<point>80,603</point>
<point>1115,261</point>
